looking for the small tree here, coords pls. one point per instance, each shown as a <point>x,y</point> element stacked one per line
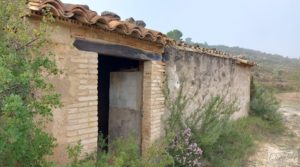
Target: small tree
<point>26,96</point>
<point>189,41</point>
<point>175,34</point>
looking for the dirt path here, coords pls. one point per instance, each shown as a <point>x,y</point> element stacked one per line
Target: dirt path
<point>283,151</point>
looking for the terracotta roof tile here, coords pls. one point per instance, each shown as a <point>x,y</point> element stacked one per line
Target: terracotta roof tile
<point>112,22</point>
<point>83,14</point>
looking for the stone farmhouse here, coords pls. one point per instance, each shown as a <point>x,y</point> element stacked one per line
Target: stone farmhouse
<point>114,72</point>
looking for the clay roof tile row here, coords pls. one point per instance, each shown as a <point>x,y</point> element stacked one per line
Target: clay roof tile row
<point>83,14</point>
<point>111,22</point>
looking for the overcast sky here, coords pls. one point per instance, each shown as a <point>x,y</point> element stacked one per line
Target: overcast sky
<point>271,26</point>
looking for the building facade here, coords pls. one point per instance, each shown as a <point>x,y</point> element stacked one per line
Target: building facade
<point>114,72</point>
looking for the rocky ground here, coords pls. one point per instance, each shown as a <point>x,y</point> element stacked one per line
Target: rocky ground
<point>283,151</point>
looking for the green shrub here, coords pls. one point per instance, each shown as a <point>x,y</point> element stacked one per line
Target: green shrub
<point>157,155</point>
<point>225,143</point>
<point>238,141</point>
<point>265,105</point>
<point>122,152</point>
<point>126,151</point>
<point>206,122</point>
<point>231,148</point>
<point>175,121</point>
<point>74,152</point>
<point>26,96</point>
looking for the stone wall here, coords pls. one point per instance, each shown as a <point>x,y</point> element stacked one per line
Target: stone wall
<point>210,76</point>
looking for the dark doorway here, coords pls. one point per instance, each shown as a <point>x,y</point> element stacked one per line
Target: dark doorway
<point>115,77</point>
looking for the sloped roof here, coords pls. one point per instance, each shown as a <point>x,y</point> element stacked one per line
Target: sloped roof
<point>112,22</point>
<point>83,14</point>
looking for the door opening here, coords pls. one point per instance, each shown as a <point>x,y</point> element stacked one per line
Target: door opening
<point>119,97</point>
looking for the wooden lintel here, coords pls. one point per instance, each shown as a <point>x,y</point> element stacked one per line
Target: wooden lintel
<point>116,50</point>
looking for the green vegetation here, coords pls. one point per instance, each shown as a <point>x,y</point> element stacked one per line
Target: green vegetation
<point>122,152</point>
<point>26,96</point>
<point>175,34</point>
<point>224,142</point>
<point>206,125</point>
<point>206,137</point>
<point>157,155</point>
<point>74,152</point>
<point>27,99</point>
<point>265,105</point>
<point>237,141</point>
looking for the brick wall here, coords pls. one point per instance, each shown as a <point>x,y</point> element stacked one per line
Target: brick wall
<point>82,119</point>
<point>153,102</point>
<point>77,119</point>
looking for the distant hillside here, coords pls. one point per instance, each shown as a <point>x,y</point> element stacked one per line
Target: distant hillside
<point>272,70</point>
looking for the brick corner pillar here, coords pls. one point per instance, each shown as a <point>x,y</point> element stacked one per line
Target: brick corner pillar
<point>153,102</point>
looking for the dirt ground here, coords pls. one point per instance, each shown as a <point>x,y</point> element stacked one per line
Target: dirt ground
<point>283,151</point>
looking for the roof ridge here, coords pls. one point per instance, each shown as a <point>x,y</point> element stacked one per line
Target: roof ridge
<point>203,49</point>
<point>211,51</point>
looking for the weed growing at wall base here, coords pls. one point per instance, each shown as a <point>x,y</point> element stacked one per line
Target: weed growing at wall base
<point>122,152</point>
<point>205,124</point>
<point>225,142</point>
<point>206,136</point>
<point>237,140</point>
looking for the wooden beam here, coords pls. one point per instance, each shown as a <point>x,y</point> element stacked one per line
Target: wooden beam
<point>116,50</point>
